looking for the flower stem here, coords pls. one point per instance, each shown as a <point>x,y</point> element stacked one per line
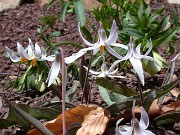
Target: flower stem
<point>63,90</point>
<point>140,91</point>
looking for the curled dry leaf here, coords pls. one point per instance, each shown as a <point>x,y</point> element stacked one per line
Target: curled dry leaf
<point>75,115</point>
<point>95,122</point>
<point>174,106</point>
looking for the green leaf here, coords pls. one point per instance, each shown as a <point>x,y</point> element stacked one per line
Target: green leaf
<point>116,87</point>
<point>30,119</point>
<point>80,11</point>
<point>70,93</point>
<point>105,95</point>
<point>40,85</point>
<point>158,28</point>
<point>64,9</point>
<point>148,11</point>
<point>157,93</point>
<point>87,33</point>
<point>167,118</point>
<point>134,32</point>
<point>156,14</point>
<point>22,79</point>
<point>167,37</point>
<point>6,123</point>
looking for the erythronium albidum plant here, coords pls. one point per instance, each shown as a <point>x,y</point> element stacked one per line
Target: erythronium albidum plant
<point>137,127</point>
<point>31,53</point>
<point>135,56</point>
<point>104,72</point>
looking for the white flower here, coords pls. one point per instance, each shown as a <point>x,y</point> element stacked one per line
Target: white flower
<point>137,127</point>
<point>31,53</point>
<point>177,57</point>
<point>102,43</point>
<point>134,55</point>
<point>104,72</point>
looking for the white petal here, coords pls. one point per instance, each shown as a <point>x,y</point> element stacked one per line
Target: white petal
<point>12,55</point>
<point>22,52</point>
<point>91,71</point>
<point>148,132</point>
<point>95,51</point>
<point>111,51</point>
<point>128,131</point>
<point>112,71</point>
<point>114,65</point>
<point>149,49</point>
<point>137,66</point>
<point>119,45</point>
<point>74,57</point>
<point>150,58</point>
<point>144,120</point>
<point>118,76</point>
<point>176,57</point>
<point>37,51</point>
<point>85,41</point>
<point>103,37</point>
<point>43,53</point>
<point>137,51</point>
<point>49,58</point>
<point>30,48</point>
<point>56,66</point>
<point>113,34</point>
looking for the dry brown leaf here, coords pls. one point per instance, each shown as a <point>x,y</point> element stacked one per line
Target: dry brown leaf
<point>95,122</point>
<point>174,106</point>
<point>155,109</point>
<point>76,114</point>
<point>175,93</point>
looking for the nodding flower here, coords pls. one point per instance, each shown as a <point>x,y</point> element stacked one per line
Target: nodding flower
<point>137,127</point>
<point>135,56</point>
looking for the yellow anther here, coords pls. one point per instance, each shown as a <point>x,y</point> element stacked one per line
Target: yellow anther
<point>102,49</point>
<point>34,62</point>
<point>23,60</point>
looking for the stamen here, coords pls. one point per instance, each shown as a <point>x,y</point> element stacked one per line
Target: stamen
<point>23,60</point>
<point>102,49</point>
<point>34,62</point>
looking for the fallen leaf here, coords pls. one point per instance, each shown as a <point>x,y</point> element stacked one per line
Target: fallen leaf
<point>95,122</point>
<point>75,115</point>
<point>155,109</point>
<point>174,106</point>
<point>175,93</point>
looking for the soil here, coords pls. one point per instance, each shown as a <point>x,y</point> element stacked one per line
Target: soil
<point>21,23</point>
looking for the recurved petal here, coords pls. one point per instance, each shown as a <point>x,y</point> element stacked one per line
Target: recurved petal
<point>91,71</point>
<point>74,57</point>
<point>137,66</point>
<point>149,49</point>
<point>113,34</point>
<point>120,45</point>
<point>102,36</point>
<point>148,132</point>
<point>55,68</point>
<point>144,120</point>
<point>111,51</point>
<point>12,55</point>
<point>176,57</point>
<point>22,52</point>
<point>128,130</point>
<point>150,58</point>
<point>37,51</point>
<point>114,65</point>
<point>49,58</point>
<point>117,76</point>
<point>85,41</point>
<point>30,48</point>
